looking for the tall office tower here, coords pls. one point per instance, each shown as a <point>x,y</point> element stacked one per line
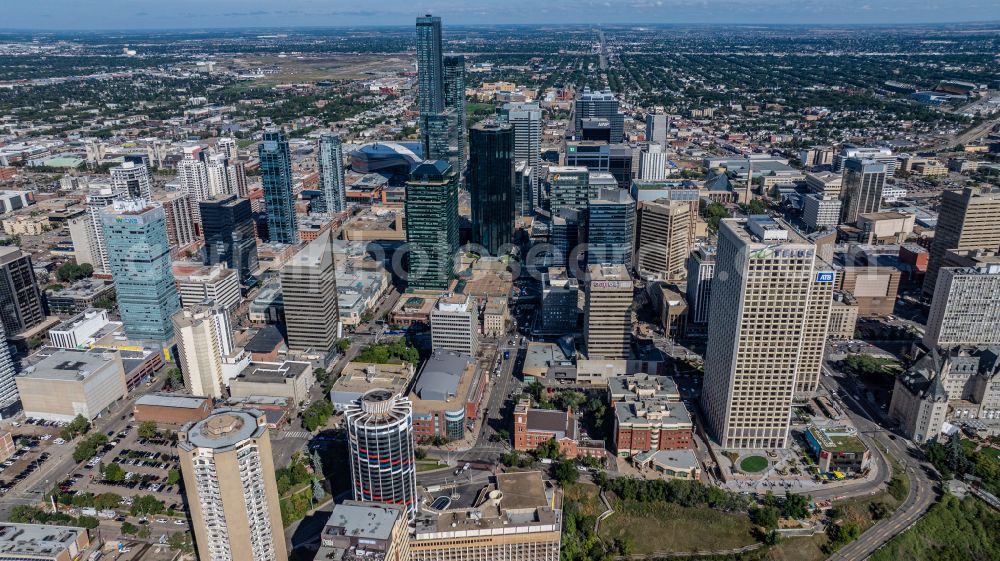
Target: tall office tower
<point>227,222</point>
<point>591,105</point>
<point>607,311</point>
<point>276,175</point>
<point>526,118</point>
<point>610,228</point>
<point>560,296</point>
<point>701,270</point>
<point>524,193</point>
<point>654,163</point>
<point>430,72</point>
<point>663,247</point>
<point>766,330</point>
<point>620,164</point>
<point>656,128</point>
<point>455,324</point>
<point>454,96</point>
<point>228,148</point>
<point>9,398</point>
<point>431,225</point>
<point>231,488</point>
<point>193,176</point>
<point>965,309</point>
<point>862,191</point>
<point>491,184</point>
<point>180,223</point>
<point>967,219</point>
<point>99,197</point>
<point>595,156</point>
<point>133,178</point>
<point>382,449</point>
<point>569,188</point>
<point>139,263</point>
<point>331,175</point>
<point>201,336</point>
<point>309,289</point>
<point>880,155</point>
<point>217,171</point>
<point>444,139</point>
<point>21,303</point>
<point>564,232</point>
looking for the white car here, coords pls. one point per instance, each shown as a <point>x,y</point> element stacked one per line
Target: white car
<point>161,520</point>
<point>179,522</point>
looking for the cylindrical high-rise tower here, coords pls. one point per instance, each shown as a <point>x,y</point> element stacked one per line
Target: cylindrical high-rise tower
<point>383,466</point>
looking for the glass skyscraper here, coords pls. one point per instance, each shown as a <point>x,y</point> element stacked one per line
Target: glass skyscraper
<point>491,184</point>
<point>139,259</point>
<point>276,176</point>
<point>441,97</point>
<point>610,228</point>
<point>599,105</point>
<point>431,225</point>
<point>331,175</point>
<point>430,71</point>
<point>227,222</point>
<point>454,98</point>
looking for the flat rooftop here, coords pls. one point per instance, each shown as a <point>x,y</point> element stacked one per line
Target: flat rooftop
<point>444,381</point>
<point>359,377</point>
<point>222,429</point>
<point>69,365</point>
<point>362,520</point>
<point>272,372</point>
<point>35,540</point>
<point>171,400</point>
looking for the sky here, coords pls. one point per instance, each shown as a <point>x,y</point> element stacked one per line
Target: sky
<point>202,14</point>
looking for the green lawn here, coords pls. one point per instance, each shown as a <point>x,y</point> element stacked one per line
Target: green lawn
<point>654,527</point>
<point>428,465</point>
<point>953,529</point>
<point>754,464</point>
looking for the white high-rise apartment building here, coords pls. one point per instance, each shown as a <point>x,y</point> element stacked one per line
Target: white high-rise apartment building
<point>134,178</point>
<point>204,337</point>
<point>654,163</point>
<point>8,387</point>
<point>193,175</point>
<point>231,489</point>
<point>527,121</point>
<point>219,174</point>
<point>455,324</point>
<point>91,235</point>
<point>965,309</point>
<point>770,313</point>
<point>227,147</point>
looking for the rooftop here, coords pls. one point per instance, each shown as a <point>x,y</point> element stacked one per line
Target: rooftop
<point>444,380</point>
<point>30,540</point>
<point>362,520</point>
<point>70,365</point>
<point>273,372</point>
<point>171,400</point>
<point>222,429</point>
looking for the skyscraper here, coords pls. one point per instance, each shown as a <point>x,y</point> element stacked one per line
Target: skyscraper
<point>663,246</point>
<point>227,222</point>
<point>491,184</point>
<point>526,118</point>
<point>444,139</point>
<point>656,128</point>
<point>701,269</point>
<point>965,309</point>
<point>200,331</point>
<point>220,178</point>
<point>231,489</point>
<point>653,166</point>
<point>607,310</point>
<point>21,304</point>
<point>99,197</point>
<point>193,175</point>
<point>382,449</point>
<point>525,197</point>
<point>331,175</point>
<point>9,398</point>
<point>180,222</point>
<point>604,104</point>
<point>862,191</point>
<point>309,290</point>
<point>431,225</point>
<point>430,72</point>
<point>768,297</point>
<point>610,228</point>
<point>139,263</point>
<point>276,176</point>
<point>454,98</point>
<point>133,178</point>
<point>967,220</point>
<point>569,188</point>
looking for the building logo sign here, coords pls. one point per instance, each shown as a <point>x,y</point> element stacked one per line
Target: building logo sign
<point>611,284</point>
<point>824,276</point>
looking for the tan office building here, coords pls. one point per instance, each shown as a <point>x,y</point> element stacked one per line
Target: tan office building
<point>200,349</point>
<point>967,220</point>
<point>517,516</point>
<point>770,309</point>
<point>231,489</point>
<point>664,240</point>
<point>309,289</point>
<point>607,330</point>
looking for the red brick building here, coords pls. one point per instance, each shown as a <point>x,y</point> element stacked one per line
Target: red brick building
<point>648,415</point>
<point>533,427</point>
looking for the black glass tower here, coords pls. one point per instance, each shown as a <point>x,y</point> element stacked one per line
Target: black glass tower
<point>229,233</point>
<point>491,184</point>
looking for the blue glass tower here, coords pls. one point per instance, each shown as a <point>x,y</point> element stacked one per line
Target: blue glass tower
<point>331,174</point>
<point>610,228</point>
<point>139,262</point>
<point>276,176</point>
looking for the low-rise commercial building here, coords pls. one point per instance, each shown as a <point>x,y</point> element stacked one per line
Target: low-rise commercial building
<point>42,542</point>
<point>358,377</point>
<point>447,395</point>
<point>80,330</point>
<point>288,380</point>
<point>671,464</point>
<point>365,531</point>
<point>838,449</point>
<point>71,382</point>
<point>171,409</point>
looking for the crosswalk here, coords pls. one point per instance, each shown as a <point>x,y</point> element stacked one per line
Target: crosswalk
<point>295,434</point>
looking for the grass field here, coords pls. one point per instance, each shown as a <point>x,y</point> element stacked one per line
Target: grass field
<point>953,529</point>
<point>754,464</point>
<point>651,527</point>
<point>427,465</point>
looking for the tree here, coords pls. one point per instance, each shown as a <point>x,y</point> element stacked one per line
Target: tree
<point>147,429</point>
<point>107,500</point>
<point>70,272</point>
<point>317,415</point>
<point>143,505</point>
<point>571,400</point>
<point>879,510</point>
<point>343,345</point>
<point>175,376</point>
<point>173,476</point>
<point>955,456</point>
<point>765,516</point>
<point>88,522</point>
<point>129,529</point>
<point>755,206</point>
<point>114,472</point>
<point>182,542</point>
<point>548,449</point>
<point>795,506</point>
<point>565,472</point>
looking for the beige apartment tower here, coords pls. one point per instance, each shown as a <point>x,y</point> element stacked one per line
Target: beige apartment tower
<point>231,490</point>
<point>770,312</point>
<point>309,288</point>
<point>967,220</point>
<point>607,330</point>
<point>200,341</point>
<point>664,239</point>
